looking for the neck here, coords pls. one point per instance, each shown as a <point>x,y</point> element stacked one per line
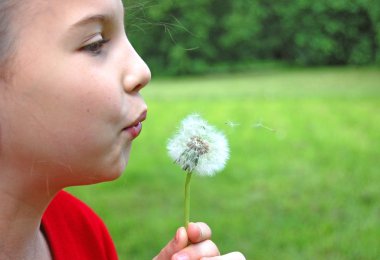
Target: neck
<point>22,204</point>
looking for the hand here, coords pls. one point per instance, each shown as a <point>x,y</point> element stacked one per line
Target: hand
<point>194,244</point>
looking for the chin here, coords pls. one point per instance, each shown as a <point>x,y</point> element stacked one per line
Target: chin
<point>102,174</point>
<point>109,177</point>
<point>106,170</point>
<point>113,172</point>
<point>116,170</point>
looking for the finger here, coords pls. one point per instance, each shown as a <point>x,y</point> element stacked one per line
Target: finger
<point>178,243</point>
<point>205,248</point>
<point>230,256</point>
<point>198,232</point>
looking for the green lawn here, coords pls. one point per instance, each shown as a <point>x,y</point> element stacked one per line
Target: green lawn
<point>309,189</point>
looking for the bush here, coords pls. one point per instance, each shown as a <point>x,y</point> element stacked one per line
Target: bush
<point>187,37</point>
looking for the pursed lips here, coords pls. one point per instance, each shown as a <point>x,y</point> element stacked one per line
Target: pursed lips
<point>134,128</point>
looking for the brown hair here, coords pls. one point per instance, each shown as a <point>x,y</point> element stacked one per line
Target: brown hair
<point>7,10</point>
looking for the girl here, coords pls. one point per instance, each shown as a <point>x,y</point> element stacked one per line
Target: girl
<point>69,111</point>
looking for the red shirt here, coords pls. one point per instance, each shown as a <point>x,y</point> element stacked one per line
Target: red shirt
<point>74,231</point>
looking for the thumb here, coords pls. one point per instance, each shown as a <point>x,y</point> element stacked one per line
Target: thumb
<point>179,242</point>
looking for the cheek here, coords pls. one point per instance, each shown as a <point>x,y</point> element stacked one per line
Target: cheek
<point>90,124</point>
<point>76,122</point>
<point>82,98</point>
<point>89,121</point>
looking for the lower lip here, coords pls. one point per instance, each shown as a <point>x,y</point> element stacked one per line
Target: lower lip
<point>134,131</point>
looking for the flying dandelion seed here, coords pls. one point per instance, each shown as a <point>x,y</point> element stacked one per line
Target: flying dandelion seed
<point>232,124</point>
<point>261,125</point>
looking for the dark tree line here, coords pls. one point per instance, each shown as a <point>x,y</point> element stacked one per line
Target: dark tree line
<point>183,37</point>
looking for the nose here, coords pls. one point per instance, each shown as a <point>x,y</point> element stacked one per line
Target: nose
<point>136,73</point>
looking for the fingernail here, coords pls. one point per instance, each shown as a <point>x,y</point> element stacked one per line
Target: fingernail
<point>177,235</point>
<point>182,256</point>
<point>200,233</point>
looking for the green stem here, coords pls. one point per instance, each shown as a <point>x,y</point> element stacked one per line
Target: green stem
<point>187,199</point>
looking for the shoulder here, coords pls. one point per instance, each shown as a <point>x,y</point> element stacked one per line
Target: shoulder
<point>72,226</point>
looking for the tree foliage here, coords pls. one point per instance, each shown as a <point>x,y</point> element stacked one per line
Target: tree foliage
<point>181,37</point>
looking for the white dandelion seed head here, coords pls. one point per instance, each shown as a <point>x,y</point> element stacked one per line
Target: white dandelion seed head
<point>198,147</point>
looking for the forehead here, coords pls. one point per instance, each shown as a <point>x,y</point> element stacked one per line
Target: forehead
<point>49,13</point>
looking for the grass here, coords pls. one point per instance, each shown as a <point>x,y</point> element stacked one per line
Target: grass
<point>310,189</point>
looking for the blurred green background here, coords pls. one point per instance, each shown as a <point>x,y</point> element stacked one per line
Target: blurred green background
<point>303,179</point>
<point>179,37</point>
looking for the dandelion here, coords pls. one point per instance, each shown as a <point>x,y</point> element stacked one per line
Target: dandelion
<point>197,148</point>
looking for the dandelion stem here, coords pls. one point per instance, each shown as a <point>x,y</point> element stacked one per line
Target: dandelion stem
<point>187,199</point>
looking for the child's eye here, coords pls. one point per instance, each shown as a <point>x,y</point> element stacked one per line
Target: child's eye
<point>95,48</point>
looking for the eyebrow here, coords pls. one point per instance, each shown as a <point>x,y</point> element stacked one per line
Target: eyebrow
<point>90,19</point>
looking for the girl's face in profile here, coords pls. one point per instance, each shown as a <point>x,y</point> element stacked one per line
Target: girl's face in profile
<point>73,99</point>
